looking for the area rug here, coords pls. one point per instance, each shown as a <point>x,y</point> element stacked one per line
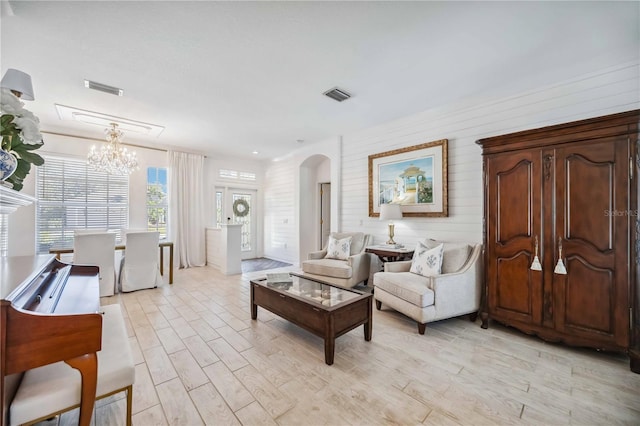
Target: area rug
<point>261,264</point>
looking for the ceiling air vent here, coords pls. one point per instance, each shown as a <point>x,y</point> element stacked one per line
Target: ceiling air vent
<point>103,88</point>
<point>337,94</point>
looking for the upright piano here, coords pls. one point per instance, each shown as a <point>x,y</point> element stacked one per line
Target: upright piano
<point>49,312</point>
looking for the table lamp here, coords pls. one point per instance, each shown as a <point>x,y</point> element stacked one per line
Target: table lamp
<point>19,83</point>
<point>390,212</point>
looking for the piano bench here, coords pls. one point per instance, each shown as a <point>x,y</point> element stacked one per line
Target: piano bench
<point>55,388</point>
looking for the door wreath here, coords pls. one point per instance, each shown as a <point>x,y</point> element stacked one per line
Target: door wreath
<point>240,207</point>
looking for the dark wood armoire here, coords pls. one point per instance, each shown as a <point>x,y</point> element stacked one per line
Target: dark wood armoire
<point>570,191</point>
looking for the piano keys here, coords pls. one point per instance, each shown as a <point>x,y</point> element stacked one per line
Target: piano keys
<point>48,313</point>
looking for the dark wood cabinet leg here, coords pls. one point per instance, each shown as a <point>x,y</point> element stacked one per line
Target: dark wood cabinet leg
<point>378,305</point>
<point>634,361</point>
<point>473,316</point>
<point>484,316</point>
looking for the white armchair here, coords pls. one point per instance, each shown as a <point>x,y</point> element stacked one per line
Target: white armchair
<point>425,299</point>
<point>343,273</point>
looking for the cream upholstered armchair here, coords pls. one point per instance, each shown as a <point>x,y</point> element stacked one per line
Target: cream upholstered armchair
<point>454,292</point>
<point>344,273</point>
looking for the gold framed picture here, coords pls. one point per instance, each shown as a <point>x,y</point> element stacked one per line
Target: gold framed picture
<point>414,177</point>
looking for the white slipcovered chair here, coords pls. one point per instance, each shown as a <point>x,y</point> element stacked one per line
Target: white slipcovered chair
<point>97,249</point>
<point>455,292</point>
<point>344,273</point>
<point>139,268</point>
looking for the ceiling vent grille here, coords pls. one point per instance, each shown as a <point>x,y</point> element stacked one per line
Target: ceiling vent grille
<point>103,88</point>
<point>337,94</point>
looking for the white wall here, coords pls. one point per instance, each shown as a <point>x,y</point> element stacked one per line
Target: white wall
<point>284,194</point>
<point>608,91</point>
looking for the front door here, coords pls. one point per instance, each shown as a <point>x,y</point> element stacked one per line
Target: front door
<point>243,205</point>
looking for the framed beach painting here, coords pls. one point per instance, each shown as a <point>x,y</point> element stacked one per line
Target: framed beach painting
<point>414,177</point>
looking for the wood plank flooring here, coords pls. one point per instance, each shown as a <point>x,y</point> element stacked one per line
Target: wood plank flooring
<point>261,264</point>
<point>202,360</point>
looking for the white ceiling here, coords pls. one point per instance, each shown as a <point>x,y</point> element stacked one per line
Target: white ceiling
<point>234,77</point>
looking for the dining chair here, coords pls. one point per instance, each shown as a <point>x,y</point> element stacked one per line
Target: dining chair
<point>89,231</point>
<point>139,268</point>
<point>125,231</point>
<point>98,249</point>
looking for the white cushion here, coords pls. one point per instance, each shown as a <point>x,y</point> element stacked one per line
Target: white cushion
<point>409,287</point>
<point>358,240</point>
<point>339,248</point>
<point>454,255</point>
<point>427,262</point>
<point>328,268</point>
<point>55,387</point>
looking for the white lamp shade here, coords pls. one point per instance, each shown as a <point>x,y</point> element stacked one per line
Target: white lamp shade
<point>18,81</point>
<point>390,212</point>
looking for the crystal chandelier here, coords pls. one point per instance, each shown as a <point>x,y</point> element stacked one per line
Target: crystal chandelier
<point>113,158</point>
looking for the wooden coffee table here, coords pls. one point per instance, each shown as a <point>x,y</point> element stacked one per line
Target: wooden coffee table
<point>320,308</point>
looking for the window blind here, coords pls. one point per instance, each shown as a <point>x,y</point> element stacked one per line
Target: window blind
<point>234,174</point>
<point>72,196</point>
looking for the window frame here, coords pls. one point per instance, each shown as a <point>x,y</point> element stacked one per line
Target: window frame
<point>64,176</point>
<point>163,205</point>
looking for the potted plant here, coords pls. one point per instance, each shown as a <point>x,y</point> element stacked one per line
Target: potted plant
<point>20,132</point>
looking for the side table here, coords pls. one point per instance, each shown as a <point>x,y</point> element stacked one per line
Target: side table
<point>388,254</point>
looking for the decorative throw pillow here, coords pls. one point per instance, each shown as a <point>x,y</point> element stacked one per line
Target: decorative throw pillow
<point>426,261</point>
<point>454,255</point>
<point>338,249</point>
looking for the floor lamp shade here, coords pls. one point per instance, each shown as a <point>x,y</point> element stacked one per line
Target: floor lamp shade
<point>18,82</point>
<point>390,212</point>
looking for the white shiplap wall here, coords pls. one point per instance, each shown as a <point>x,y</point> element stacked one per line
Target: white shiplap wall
<point>283,195</point>
<point>280,225</point>
<point>608,91</point>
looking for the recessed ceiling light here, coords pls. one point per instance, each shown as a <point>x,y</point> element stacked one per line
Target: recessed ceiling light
<point>255,152</point>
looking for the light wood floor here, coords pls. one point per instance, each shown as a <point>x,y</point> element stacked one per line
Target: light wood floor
<point>200,359</point>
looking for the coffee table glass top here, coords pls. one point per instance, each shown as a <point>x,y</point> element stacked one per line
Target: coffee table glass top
<point>311,290</point>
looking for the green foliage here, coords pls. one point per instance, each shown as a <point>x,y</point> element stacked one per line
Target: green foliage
<point>12,142</point>
<point>156,205</point>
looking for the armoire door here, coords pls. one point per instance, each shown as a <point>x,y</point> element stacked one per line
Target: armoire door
<point>592,223</point>
<point>513,219</point>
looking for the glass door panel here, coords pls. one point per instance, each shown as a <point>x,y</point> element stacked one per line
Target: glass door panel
<point>243,210</point>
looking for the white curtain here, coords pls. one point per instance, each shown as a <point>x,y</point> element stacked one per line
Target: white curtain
<point>186,208</point>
